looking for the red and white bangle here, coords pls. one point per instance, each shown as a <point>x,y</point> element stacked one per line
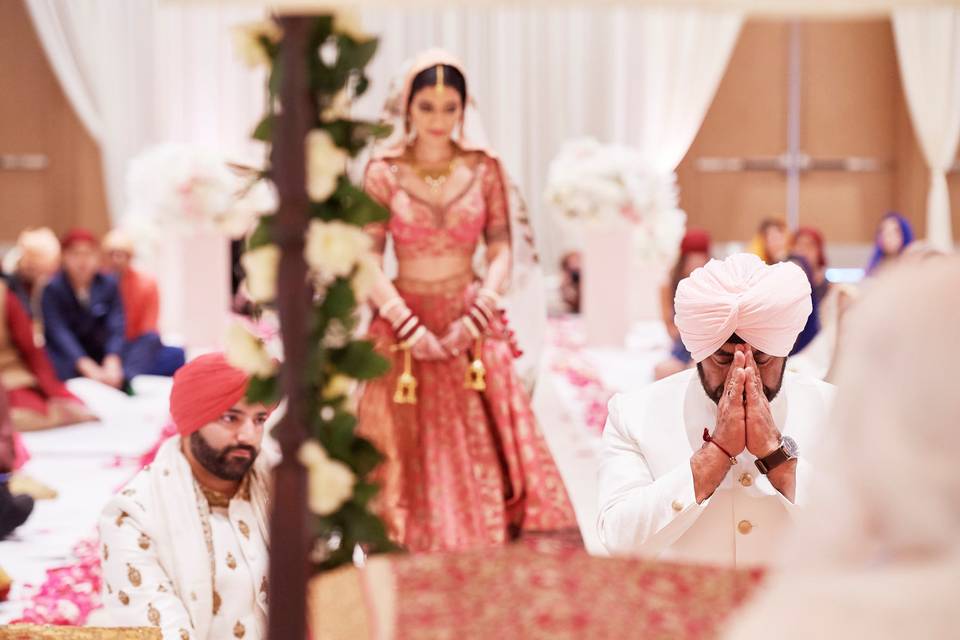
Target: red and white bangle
<point>409,330</point>
<point>391,304</point>
<point>471,326</point>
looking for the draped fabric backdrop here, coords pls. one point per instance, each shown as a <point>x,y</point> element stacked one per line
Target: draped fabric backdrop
<point>138,72</point>
<point>928,48</point>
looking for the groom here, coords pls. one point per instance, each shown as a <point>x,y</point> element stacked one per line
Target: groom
<point>184,545</point>
<point>706,466</point>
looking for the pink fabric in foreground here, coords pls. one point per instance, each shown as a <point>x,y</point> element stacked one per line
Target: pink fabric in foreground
<point>766,305</point>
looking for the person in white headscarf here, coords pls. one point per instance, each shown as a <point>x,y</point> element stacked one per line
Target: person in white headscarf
<point>878,553</point>
<point>705,465</point>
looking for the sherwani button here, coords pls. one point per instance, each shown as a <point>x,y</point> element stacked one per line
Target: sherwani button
<point>745,527</point>
<point>746,479</point>
<point>677,505</point>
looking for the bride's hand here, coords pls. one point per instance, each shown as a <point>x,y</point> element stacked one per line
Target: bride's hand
<point>429,348</point>
<point>457,339</point>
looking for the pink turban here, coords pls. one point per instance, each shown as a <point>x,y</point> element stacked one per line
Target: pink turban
<point>766,305</point>
<point>203,389</point>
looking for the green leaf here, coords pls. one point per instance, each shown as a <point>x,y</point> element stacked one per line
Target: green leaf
<point>275,80</point>
<point>337,436</point>
<point>356,55</point>
<point>263,390</point>
<point>364,456</point>
<point>359,360</point>
<point>358,207</point>
<point>340,300</point>
<point>262,235</point>
<point>364,492</point>
<point>264,130</point>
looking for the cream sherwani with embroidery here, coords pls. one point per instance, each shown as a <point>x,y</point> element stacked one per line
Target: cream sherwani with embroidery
<point>173,561</point>
<point>647,501</point>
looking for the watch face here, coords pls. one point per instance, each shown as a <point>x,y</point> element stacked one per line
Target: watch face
<point>790,446</point>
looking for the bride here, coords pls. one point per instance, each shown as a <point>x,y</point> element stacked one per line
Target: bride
<point>466,465</point>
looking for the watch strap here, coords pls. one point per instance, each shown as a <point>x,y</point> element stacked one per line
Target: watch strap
<point>772,460</point>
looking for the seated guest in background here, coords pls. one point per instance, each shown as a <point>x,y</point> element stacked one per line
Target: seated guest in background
<point>694,253</point>
<point>141,303</point>
<point>570,282</point>
<point>808,244</point>
<point>812,327</point>
<point>184,545</point>
<point>38,398</point>
<point>878,553</point>
<point>30,265</point>
<point>83,316</point>
<point>703,466</point>
<point>14,509</point>
<point>893,236</point>
<point>772,241</point>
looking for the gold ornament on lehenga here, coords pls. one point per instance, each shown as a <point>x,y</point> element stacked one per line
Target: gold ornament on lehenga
<point>406,392</point>
<point>476,372</point>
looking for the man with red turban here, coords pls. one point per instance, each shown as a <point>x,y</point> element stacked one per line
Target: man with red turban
<point>184,544</point>
<point>704,466</point>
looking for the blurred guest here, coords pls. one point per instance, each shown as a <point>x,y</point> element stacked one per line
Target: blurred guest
<point>38,399</point>
<point>694,253</point>
<point>812,326</point>
<point>570,283</point>
<point>141,304</point>
<point>30,265</point>
<point>808,243</point>
<point>772,241</point>
<point>894,235</point>
<point>14,509</point>
<point>878,553</point>
<point>84,323</point>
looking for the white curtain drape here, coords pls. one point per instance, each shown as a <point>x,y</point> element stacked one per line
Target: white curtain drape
<point>641,76</point>
<point>928,49</point>
<point>138,73</point>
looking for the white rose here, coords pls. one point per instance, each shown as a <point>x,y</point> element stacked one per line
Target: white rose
<point>333,248</point>
<point>339,108</point>
<point>325,163</point>
<point>247,352</point>
<point>246,40</point>
<point>365,277</point>
<point>260,199</point>
<point>261,266</point>
<point>329,482</point>
<point>347,22</point>
<point>338,385</point>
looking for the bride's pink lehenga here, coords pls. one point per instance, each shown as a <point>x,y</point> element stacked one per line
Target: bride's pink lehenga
<point>464,469</point>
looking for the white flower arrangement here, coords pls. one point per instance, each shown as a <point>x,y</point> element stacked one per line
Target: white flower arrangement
<point>612,186</point>
<point>249,352</point>
<point>192,189</point>
<point>329,482</point>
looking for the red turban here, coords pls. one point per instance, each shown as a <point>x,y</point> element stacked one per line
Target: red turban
<point>695,241</point>
<point>77,235</point>
<point>203,389</point>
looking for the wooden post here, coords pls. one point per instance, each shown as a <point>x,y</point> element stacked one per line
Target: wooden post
<point>289,536</point>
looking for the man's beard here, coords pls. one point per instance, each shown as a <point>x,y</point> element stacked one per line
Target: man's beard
<point>717,393</point>
<point>218,461</point>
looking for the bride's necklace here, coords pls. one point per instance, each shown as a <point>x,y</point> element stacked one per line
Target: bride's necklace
<point>436,178</point>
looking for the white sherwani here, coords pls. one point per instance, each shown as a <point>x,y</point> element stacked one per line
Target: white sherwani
<point>172,561</point>
<point>647,502</point>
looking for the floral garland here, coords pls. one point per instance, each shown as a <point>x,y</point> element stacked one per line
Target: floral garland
<point>611,186</point>
<point>341,268</point>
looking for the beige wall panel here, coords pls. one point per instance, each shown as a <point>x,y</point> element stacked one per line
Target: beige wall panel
<point>35,117</point>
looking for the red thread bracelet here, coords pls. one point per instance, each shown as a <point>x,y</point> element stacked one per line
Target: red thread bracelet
<point>708,438</point>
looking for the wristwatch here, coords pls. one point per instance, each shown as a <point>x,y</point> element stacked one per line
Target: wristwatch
<point>787,450</point>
